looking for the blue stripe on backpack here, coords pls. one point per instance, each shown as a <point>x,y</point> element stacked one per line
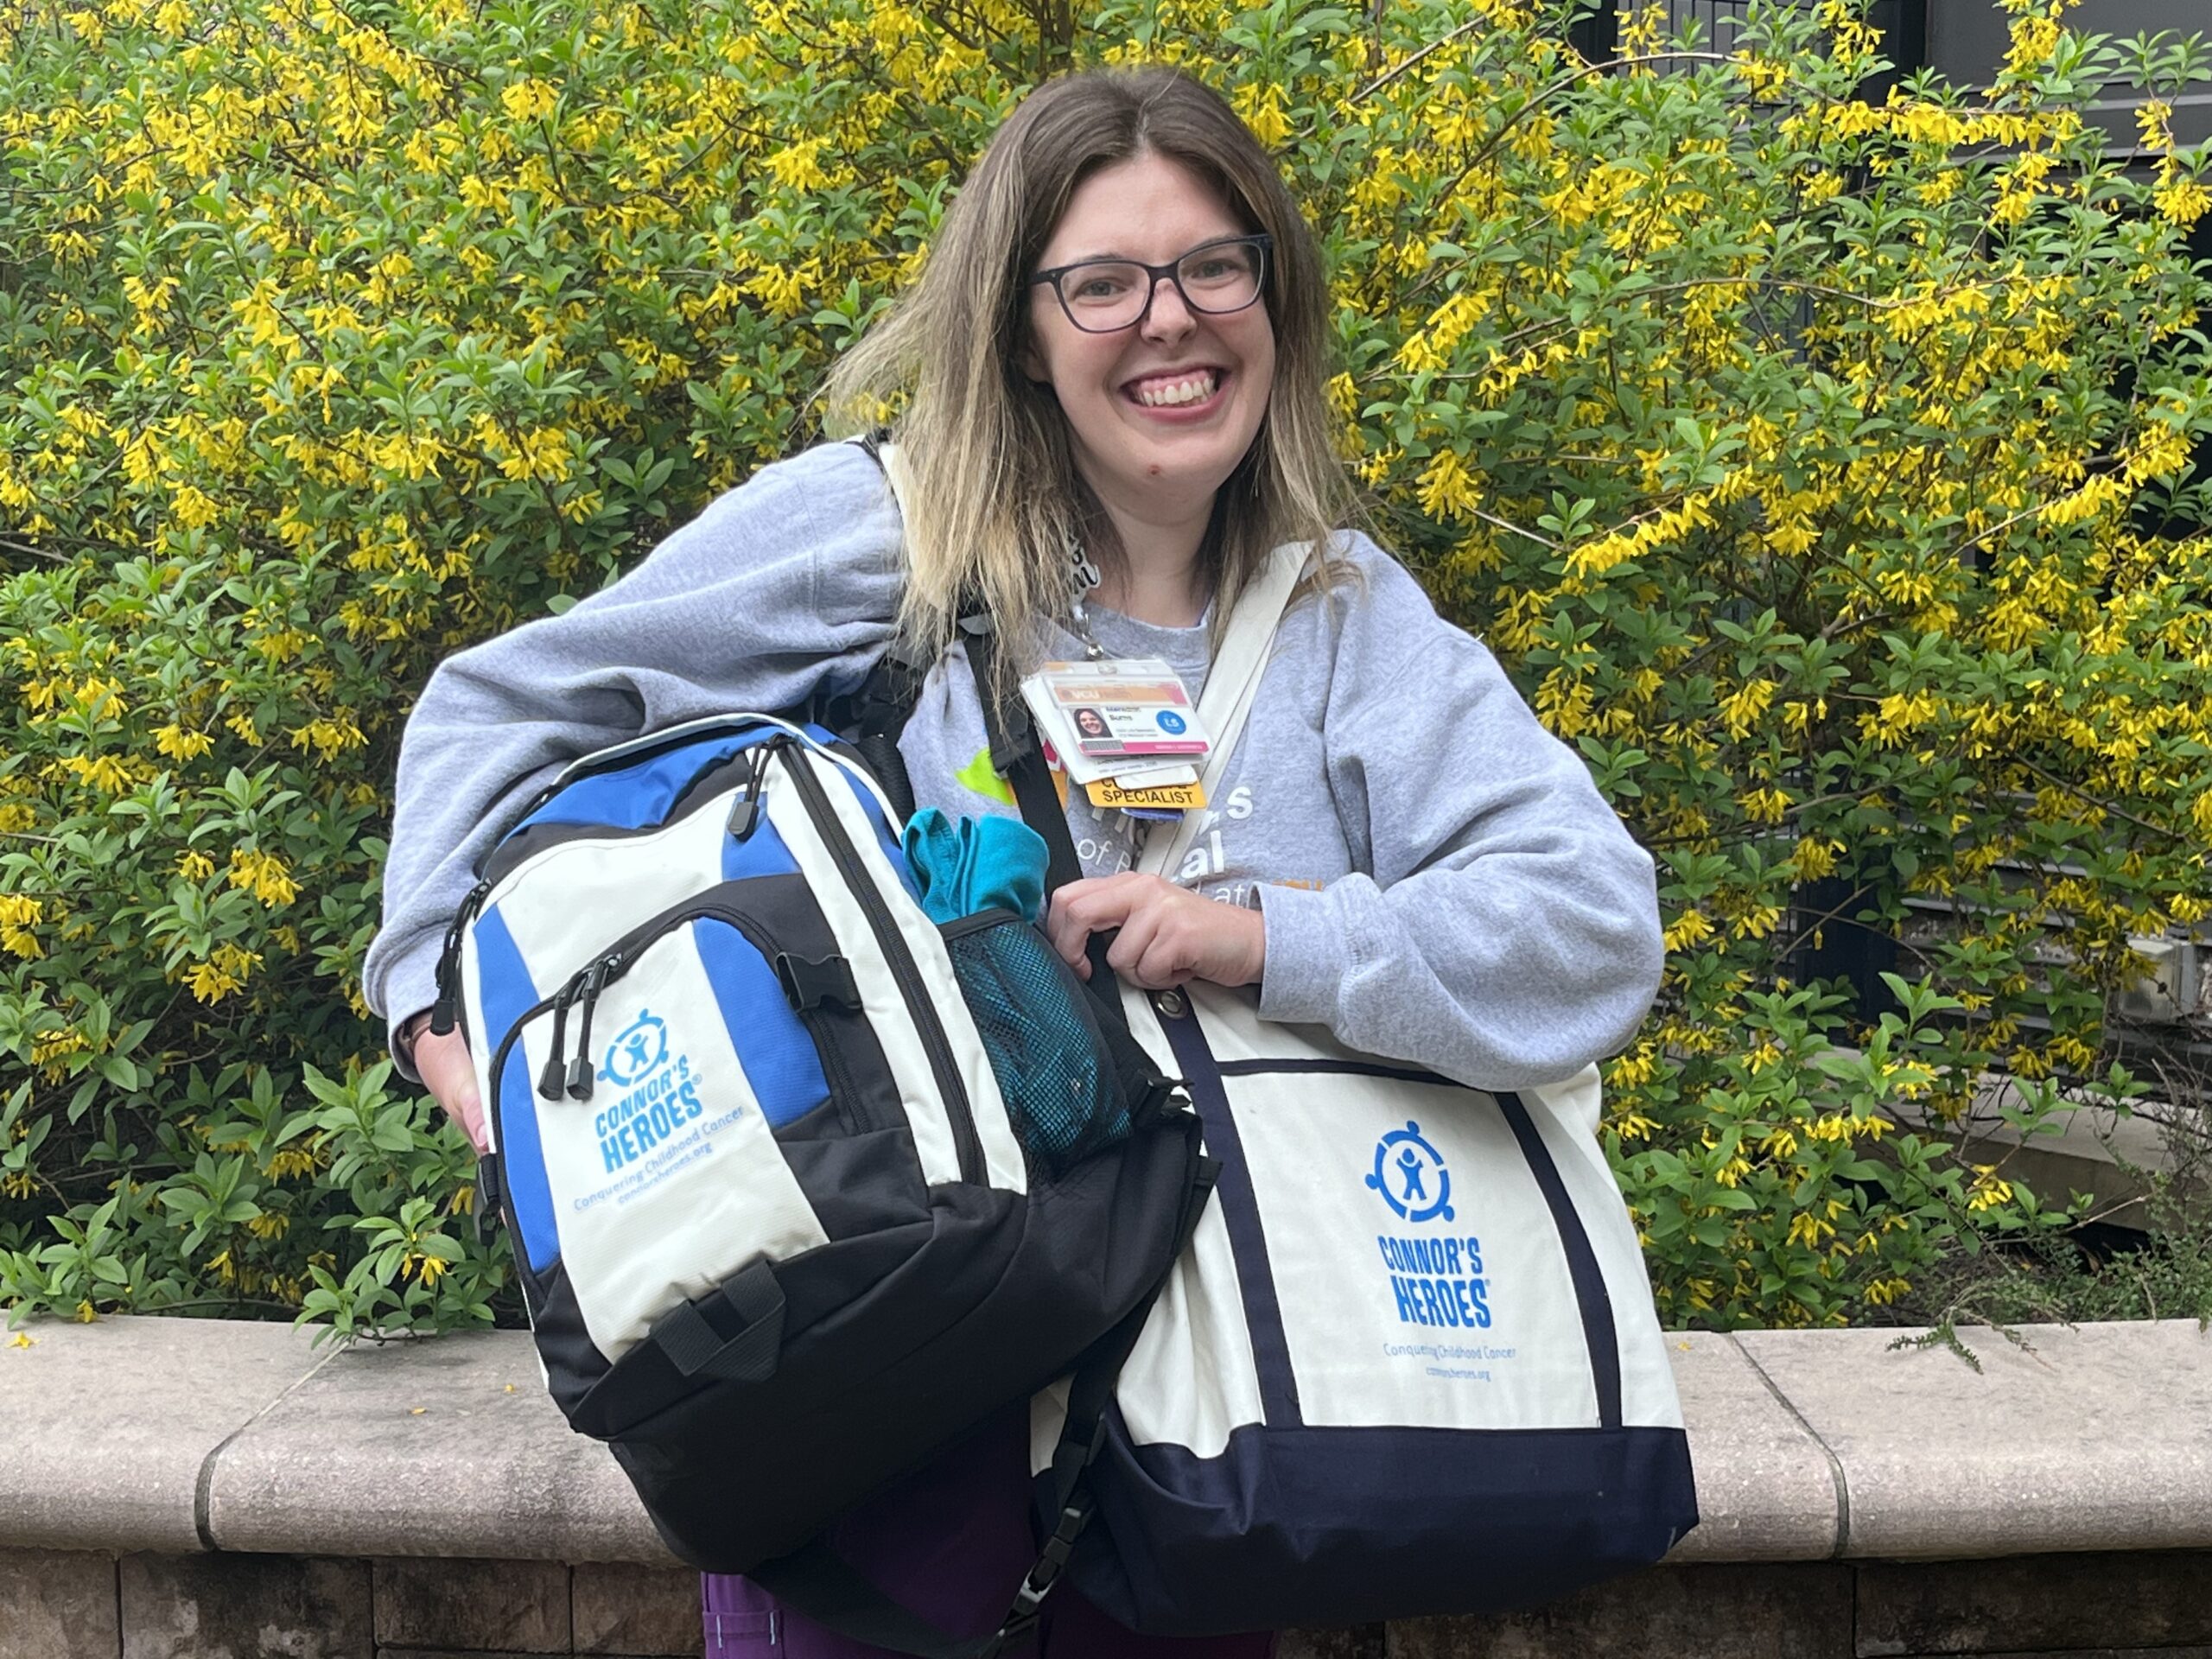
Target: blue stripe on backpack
<point>507,995</point>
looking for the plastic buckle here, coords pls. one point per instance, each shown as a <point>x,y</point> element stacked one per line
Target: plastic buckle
<point>1020,741</point>
<point>1020,1621</point>
<point>488,1197</point>
<point>1021,1618</point>
<point>1054,1556</point>
<point>808,984</point>
<point>1164,1099</point>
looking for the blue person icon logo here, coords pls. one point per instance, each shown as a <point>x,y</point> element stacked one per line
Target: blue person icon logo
<point>1410,1175</point>
<point>637,1049</point>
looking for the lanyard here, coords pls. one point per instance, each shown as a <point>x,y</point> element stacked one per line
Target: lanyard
<point>1085,574</point>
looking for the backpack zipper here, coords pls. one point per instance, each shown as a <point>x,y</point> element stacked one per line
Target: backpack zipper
<point>967,1147</point>
<point>506,1046</point>
<point>581,992</point>
<point>548,1076</point>
<point>745,816</point>
<point>580,1069</point>
<point>446,1008</point>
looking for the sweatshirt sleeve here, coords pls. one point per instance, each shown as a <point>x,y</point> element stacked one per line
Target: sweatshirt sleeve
<point>789,579</point>
<point>1505,932</point>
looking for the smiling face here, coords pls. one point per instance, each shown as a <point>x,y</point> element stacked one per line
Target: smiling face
<point>1159,413</point>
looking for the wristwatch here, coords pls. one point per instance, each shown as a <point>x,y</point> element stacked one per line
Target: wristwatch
<point>403,1035</point>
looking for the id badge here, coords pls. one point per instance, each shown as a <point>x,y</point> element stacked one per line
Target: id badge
<point>1123,713</point>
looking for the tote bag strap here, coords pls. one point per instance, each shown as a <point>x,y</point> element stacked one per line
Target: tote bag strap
<point>1232,684</point>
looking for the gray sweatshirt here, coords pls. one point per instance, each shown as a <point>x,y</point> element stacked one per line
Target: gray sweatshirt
<point>1440,882</point>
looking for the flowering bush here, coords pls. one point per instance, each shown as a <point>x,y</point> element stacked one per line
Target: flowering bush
<point>1819,467</point>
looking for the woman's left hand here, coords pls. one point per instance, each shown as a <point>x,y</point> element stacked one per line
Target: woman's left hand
<point>1168,934</point>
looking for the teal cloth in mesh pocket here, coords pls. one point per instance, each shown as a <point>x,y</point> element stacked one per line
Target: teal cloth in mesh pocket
<point>967,865</point>
<point>1054,1072</point>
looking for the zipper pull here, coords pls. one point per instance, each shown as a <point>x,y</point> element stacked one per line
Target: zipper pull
<point>580,1069</point>
<point>548,1078</point>
<point>487,1192</point>
<point>745,816</point>
<point>443,1011</point>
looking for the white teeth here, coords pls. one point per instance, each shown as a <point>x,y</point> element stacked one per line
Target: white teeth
<point>1196,389</point>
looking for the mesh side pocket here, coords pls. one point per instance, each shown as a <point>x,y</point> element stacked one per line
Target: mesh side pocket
<point>1061,1089</point>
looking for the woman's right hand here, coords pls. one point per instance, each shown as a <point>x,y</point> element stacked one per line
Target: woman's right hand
<point>450,1076</point>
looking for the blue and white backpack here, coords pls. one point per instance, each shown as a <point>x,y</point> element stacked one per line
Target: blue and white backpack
<point>802,1186</point>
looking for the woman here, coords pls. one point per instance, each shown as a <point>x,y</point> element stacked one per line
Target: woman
<point>1115,359</point>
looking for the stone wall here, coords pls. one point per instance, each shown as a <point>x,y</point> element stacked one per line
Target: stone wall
<point>177,1489</point>
<point>77,1604</point>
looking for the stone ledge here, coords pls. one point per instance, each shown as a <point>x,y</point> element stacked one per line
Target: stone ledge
<point>184,1435</point>
<point>448,1447</point>
<point>111,1425</point>
<point>2093,1437</point>
<point>1766,1489</point>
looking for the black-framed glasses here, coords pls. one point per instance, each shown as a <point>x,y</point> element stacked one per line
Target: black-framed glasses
<point>1103,296</point>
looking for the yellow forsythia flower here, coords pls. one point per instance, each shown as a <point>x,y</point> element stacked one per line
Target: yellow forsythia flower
<point>223,972</point>
<point>18,914</point>
<point>528,98</point>
<point>181,745</point>
<point>265,875</point>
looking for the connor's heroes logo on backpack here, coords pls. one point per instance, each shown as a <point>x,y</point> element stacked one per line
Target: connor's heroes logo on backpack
<point>660,1101</point>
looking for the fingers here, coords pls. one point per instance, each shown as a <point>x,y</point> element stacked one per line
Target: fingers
<point>450,1076</point>
<point>1163,935</point>
<point>1095,905</point>
<point>1135,941</point>
<point>1166,964</point>
<point>1062,928</point>
<point>1161,929</point>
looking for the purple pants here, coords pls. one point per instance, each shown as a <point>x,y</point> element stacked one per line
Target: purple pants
<point>952,1542</point>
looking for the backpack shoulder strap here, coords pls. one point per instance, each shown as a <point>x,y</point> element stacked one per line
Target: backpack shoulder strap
<point>872,717</point>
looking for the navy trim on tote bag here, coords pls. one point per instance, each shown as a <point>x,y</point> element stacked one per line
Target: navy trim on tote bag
<point>1598,1332</point>
<point>1529,1515</point>
<point>1240,1210</point>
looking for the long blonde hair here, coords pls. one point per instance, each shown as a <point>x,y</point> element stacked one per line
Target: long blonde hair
<point>993,502</point>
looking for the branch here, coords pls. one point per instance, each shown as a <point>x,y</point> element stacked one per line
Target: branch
<point>1565,82</point>
<point>2080,794</point>
<point>939,20</point>
<point>1507,525</point>
<point>1844,624</point>
<point>1438,45</point>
